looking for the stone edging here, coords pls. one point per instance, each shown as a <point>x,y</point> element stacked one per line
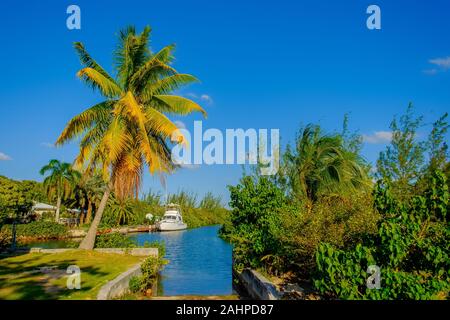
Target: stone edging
<point>120,285</point>
<point>258,286</point>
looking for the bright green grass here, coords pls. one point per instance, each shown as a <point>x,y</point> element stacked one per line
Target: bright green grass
<point>20,281</point>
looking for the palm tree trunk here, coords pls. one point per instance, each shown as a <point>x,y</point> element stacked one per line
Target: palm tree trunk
<point>89,213</point>
<point>89,241</point>
<point>58,208</point>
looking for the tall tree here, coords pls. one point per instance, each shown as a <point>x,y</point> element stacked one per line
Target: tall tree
<point>437,145</point>
<point>402,161</point>
<point>128,130</point>
<point>60,182</point>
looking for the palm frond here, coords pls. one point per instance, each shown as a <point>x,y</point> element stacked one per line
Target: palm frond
<point>85,120</point>
<point>88,61</point>
<point>166,85</point>
<point>108,87</point>
<point>178,105</point>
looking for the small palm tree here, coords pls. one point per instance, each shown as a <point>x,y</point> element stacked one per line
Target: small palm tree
<point>321,164</point>
<point>87,195</point>
<point>129,130</point>
<point>60,182</point>
<point>121,209</point>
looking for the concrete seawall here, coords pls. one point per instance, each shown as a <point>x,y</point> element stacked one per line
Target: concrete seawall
<point>258,286</point>
<point>120,285</point>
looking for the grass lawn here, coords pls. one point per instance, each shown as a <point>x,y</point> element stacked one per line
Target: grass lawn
<point>22,279</point>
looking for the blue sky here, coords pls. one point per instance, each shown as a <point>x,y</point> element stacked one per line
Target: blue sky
<point>263,64</point>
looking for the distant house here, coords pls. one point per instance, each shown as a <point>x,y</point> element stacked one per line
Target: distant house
<point>39,209</point>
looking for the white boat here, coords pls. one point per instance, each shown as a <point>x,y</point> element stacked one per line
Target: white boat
<point>172,219</point>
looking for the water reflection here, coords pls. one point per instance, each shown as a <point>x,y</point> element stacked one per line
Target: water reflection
<point>200,262</point>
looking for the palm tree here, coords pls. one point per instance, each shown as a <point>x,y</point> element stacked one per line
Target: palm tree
<point>87,195</point>
<point>121,209</point>
<point>321,164</point>
<point>129,130</point>
<point>60,182</point>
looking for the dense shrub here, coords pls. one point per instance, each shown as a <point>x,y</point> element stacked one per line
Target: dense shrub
<point>38,230</point>
<point>114,240</point>
<point>270,231</point>
<point>135,284</point>
<point>256,205</point>
<point>411,248</point>
<point>338,220</point>
<point>150,269</point>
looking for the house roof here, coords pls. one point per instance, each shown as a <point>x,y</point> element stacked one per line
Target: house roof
<point>43,206</point>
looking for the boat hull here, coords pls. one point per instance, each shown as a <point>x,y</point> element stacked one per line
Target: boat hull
<point>166,226</point>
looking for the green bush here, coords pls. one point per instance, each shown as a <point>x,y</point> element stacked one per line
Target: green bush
<point>114,240</point>
<point>135,284</point>
<point>255,217</point>
<point>39,230</point>
<point>342,221</point>
<point>411,248</point>
<point>150,269</point>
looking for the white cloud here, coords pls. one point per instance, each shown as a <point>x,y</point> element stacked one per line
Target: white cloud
<point>443,63</point>
<point>430,72</point>
<point>4,157</point>
<point>378,137</point>
<point>47,145</point>
<point>192,95</point>
<point>206,98</point>
<point>203,97</point>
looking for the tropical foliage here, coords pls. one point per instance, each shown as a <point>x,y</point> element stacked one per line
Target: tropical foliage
<point>60,183</point>
<point>16,197</point>
<point>322,218</point>
<point>411,248</point>
<point>321,164</point>
<point>38,230</point>
<point>129,130</point>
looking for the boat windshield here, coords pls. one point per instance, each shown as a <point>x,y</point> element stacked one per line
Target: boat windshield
<point>170,217</point>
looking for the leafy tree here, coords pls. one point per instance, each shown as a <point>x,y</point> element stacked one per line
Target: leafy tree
<point>255,203</point>
<point>402,161</point>
<point>352,141</point>
<point>16,197</point>
<point>211,202</point>
<point>128,130</point>
<point>60,183</point>
<point>437,145</point>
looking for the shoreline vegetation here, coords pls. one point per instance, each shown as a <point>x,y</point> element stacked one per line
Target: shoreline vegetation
<point>329,222</point>
<point>117,219</point>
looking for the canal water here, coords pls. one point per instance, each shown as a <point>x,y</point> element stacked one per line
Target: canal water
<point>200,263</point>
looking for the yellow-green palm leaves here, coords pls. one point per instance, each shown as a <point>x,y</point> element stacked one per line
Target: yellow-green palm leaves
<point>129,130</point>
